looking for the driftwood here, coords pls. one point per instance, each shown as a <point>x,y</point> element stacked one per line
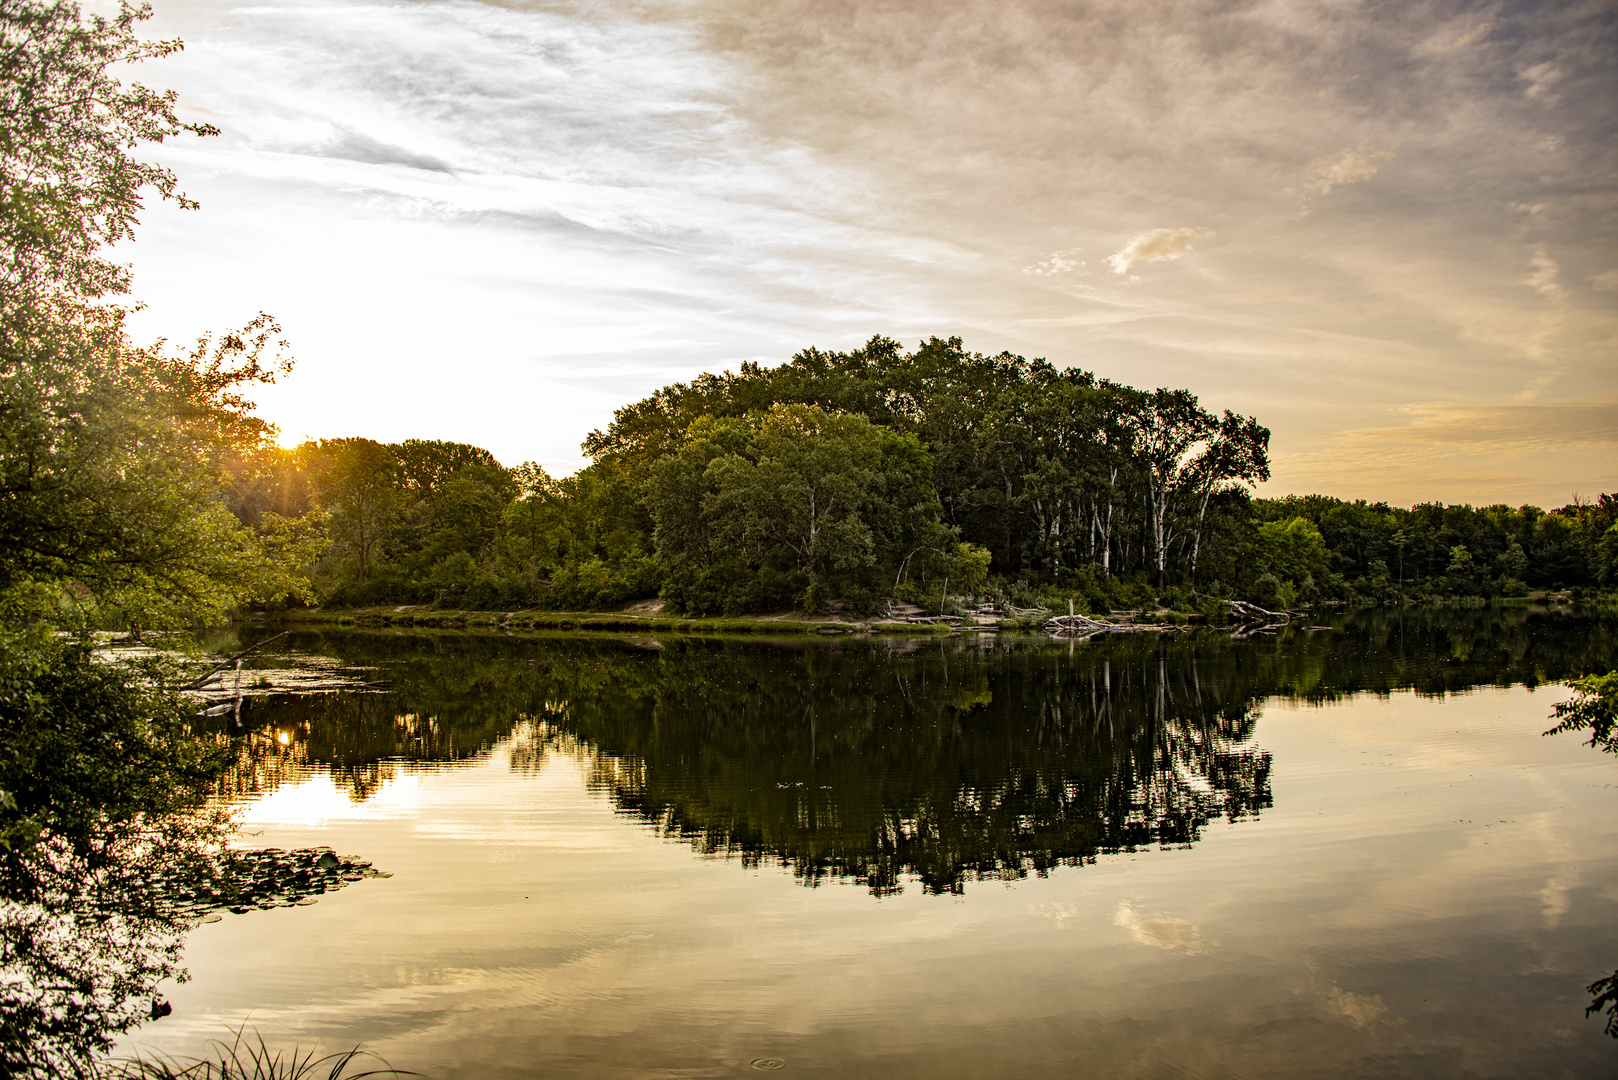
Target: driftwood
<point>1242,611</point>
<point>199,683</point>
<point>1069,625</point>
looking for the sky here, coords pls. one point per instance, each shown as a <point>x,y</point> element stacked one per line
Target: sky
<point>1387,230</point>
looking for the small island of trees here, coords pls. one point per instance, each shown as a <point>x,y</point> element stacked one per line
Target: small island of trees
<point>846,478</point>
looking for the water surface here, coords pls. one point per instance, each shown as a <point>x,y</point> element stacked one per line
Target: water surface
<point>1343,852</point>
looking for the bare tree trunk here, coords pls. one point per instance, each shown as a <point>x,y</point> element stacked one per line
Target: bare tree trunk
<point>1196,535</point>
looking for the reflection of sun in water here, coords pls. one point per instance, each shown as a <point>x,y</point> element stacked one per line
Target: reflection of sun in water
<point>283,738</point>
<point>317,800</point>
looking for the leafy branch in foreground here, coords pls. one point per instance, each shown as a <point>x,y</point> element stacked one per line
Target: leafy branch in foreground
<point>68,183</point>
<point>114,469</point>
<point>1593,708</point>
<point>1606,997</point>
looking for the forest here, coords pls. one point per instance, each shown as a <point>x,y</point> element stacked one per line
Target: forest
<point>842,478</point>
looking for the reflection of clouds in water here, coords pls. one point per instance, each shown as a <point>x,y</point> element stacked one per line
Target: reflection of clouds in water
<point>1360,1009</point>
<point>1553,844</point>
<point>1061,913</point>
<point>1163,931</point>
<point>1547,837</point>
<point>1554,895</point>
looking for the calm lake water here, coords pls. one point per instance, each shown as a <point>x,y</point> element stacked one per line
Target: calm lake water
<point>1343,852</point>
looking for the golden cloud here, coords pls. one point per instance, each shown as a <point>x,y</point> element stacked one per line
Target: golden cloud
<point>1159,245</point>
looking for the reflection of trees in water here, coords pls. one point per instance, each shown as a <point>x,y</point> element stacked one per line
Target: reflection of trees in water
<point>946,764</point>
<point>1435,651</point>
<point>95,903</point>
<point>879,759</point>
<point>82,949</point>
<point>457,701</point>
<point>86,941</point>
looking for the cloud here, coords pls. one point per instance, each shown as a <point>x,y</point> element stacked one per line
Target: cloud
<point>1471,37</point>
<point>1607,282</point>
<point>576,202</point>
<point>1350,167</point>
<point>1159,245</point>
<point>1543,277</point>
<point>1055,264</point>
<point>356,146</point>
<point>1540,78</point>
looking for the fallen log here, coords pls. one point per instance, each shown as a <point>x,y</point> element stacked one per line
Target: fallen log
<point>1079,624</point>
<point>199,683</point>
<point>1245,612</point>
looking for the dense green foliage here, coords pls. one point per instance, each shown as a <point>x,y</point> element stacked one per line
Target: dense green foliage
<point>1372,551</point>
<point>834,477</point>
<point>848,477</point>
<point>113,513</point>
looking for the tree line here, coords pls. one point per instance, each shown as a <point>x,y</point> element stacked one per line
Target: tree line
<point>1371,551</point>
<point>833,478</point>
<point>842,478</point>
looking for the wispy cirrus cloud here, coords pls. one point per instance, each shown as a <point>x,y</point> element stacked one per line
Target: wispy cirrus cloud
<point>567,204</point>
<point>1444,43</point>
<point>1542,79</point>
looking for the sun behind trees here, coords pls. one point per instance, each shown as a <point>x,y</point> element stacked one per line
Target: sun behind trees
<point>836,477</point>
<point>843,478</point>
<point>113,458</point>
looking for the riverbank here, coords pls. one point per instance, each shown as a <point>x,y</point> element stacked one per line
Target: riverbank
<point>649,617</point>
<point>629,621</point>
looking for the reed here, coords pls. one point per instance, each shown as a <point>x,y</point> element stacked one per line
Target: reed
<point>250,1058</point>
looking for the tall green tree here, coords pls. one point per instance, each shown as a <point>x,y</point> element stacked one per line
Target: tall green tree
<point>115,508</point>
<point>112,462</point>
<point>808,501</point>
